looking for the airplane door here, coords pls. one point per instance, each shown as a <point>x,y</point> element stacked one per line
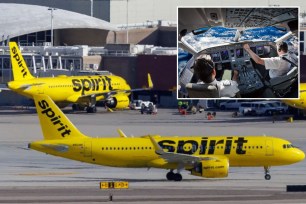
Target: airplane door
<point>269,147</point>
<point>87,149</point>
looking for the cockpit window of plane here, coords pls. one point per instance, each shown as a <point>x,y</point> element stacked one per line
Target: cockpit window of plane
<point>269,33</point>
<point>212,37</point>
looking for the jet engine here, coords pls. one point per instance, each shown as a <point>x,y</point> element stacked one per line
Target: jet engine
<point>118,101</point>
<point>215,168</point>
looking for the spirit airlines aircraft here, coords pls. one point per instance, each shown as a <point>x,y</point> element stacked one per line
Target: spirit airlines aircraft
<point>83,91</point>
<point>209,157</point>
<point>299,103</point>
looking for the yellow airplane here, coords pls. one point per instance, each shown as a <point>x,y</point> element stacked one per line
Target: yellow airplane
<point>298,103</point>
<point>203,156</point>
<point>82,91</point>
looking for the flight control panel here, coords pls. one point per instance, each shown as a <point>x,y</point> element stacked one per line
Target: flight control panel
<point>234,57</point>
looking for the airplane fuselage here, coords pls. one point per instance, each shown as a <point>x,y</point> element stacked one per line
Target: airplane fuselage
<point>247,151</point>
<point>301,102</point>
<point>69,89</point>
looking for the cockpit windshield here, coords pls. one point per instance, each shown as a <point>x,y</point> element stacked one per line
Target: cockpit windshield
<point>269,33</point>
<point>212,37</point>
<point>288,146</point>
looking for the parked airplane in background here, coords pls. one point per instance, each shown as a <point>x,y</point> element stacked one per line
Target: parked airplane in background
<point>208,157</point>
<point>299,103</point>
<point>82,91</point>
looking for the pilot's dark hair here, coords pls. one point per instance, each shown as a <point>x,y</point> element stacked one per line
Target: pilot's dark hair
<point>203,68</point>
<point>282,46</point>
<point>183,32</point>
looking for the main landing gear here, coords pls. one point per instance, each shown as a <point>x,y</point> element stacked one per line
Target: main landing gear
<point>267,173</point>
<point>89,109</point>
<point>171,176</point>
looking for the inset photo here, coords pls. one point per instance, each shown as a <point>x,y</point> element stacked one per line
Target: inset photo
<point>249,53</point>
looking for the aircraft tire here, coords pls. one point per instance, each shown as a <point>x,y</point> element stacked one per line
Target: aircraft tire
<point>170,176</point>
<point>91,109</point>
<point>74,107</point>
<point>178,177</point>
<point>267,176</point>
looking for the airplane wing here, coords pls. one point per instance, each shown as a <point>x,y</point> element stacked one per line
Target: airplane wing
<point>23,86</point>
<point>4,89</point>
<point>74,98</point>
<point>172,157</point>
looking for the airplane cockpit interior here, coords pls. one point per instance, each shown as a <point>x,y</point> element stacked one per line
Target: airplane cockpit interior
<point>223,39</point>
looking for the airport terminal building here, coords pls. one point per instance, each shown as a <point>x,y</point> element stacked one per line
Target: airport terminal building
<point>86,45</point>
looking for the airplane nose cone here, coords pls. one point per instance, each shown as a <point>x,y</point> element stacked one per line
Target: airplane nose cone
<point>299,155</point>
<point>302,155</point>
<point>128,86</point>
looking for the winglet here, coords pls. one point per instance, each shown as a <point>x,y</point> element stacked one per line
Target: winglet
<point>150,83</point>
<point>158,149</point>
<point>121,133</point>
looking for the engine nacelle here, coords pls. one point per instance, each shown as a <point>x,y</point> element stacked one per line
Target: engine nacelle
<point>118,101</point>
<point>216,168</point>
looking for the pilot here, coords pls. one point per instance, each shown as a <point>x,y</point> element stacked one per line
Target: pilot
<point>277,66</point>
<point>204,69</point>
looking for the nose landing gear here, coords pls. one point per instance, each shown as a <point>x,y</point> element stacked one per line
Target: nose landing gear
<point>267,173</point>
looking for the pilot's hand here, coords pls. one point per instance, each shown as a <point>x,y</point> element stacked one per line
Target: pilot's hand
<point>236,72</point>
<point>235,75</point>
<point>246,46</point>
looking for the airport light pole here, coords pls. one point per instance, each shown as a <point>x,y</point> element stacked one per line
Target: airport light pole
<point>51,9</point>
<point>127,21</point>
<point>91,8</point>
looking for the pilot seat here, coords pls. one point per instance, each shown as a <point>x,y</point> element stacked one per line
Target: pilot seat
<point>282,85</point>
<point>202,90</point>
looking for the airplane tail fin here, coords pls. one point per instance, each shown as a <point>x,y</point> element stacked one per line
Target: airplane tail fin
<point>54,123</point>
<point>150,83</point>
<point>19,66</point>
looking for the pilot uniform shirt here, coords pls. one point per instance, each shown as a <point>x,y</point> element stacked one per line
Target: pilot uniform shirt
<point>277,66</point>
<point>227,88</point>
